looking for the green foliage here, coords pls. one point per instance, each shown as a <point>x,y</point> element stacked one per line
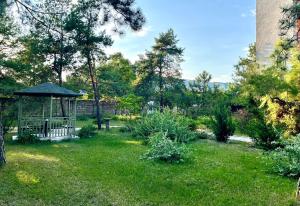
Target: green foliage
<point>175,126</point>
<point>204,135</point>
<point>289,21</point>
<point>203,121</point>
<point>192,124</point>
<point>159,76</point>
<point>116,76</point>
<point>129,127</point>
<point>269,96</point>
<point>201,82</point>
<point>83,118</point>
<point>287,159</point>
<point>131,103</point>
<point>87,131</point>
<point>164,149</point>
<point>222,123</point>
<point>125,117</point>
<point>27,137</point>
<point>264,135</point>
<point>202,96</point>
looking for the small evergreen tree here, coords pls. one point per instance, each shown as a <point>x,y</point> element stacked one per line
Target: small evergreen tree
<point>222,123</point>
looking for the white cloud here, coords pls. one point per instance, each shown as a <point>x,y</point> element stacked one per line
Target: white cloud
<point>143,32</point>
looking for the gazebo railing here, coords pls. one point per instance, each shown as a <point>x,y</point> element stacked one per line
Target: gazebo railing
<point>48,127</point>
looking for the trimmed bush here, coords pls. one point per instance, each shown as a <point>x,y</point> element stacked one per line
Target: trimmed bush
<point>88,131</point>
<point>176,127</point>
<point>164,149</point>
<point>287,159</point>
<point>222,123</point>
<point>28,138</point>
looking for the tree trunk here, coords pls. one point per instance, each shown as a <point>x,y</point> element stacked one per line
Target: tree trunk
<point>161,99</point>
<point>61,54</point>
<point>95,89</point>
<point>2,150</point>
<point>61,99</point>
<point>298,191</point>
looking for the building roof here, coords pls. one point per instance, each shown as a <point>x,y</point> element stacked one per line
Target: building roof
<point>47,90</point>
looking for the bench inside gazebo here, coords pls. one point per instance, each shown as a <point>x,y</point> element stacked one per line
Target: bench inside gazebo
<point>47,111</point>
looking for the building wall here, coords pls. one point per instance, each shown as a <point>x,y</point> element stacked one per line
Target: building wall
<point>88,107</point>
<point>268,14</point>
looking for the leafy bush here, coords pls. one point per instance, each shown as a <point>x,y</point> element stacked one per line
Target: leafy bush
<point>164,149</point>
<point>83,118</point>
<point>27,137</point>
<point>124,117</point>
<point>175,126</point>
<point>88,131</point>
<point>193,126</point>
<point>264,135</point>
<point>203,122</point>
<point>204,135</point>
<point>253,124</point>
<point>128,127</point>
<point>287,159</point>
<point>222,123</point>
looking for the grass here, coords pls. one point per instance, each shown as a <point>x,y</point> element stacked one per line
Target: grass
<point>107,170</point>
<point>81,123</point>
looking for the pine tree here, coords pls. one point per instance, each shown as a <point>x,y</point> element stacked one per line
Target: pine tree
<point>87,21</point>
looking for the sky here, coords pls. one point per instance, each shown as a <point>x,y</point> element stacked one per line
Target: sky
<point>214,33</point>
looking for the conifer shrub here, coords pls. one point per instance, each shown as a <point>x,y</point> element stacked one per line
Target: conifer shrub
<point>221,123</point>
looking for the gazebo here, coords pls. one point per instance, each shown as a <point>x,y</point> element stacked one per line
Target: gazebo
<point>47,111</point>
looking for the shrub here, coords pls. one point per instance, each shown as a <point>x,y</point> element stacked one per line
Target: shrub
<point>264,135</point>
<point>27,137</point>
<point>87,131</point>
<point>222,123</point>
<point>125,117</point>
<point>83,118</point>
<point>253,123</point>
<point>128,127</point>
<point>192,124</point>
<point>175,126</point>
<point>287,159</point>
<point>203,122</point>
<point>164,149</point>
<point>204,135</point>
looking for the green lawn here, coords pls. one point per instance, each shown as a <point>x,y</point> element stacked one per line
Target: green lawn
<point>80,124</point>
<point>107,170</point>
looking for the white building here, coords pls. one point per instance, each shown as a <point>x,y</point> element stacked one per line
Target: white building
<point>268,14</point>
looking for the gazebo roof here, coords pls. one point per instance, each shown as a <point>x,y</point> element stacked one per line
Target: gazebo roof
<point>47,90</point>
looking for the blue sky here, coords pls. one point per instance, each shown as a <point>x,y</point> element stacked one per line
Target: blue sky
<point>214,33</point>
